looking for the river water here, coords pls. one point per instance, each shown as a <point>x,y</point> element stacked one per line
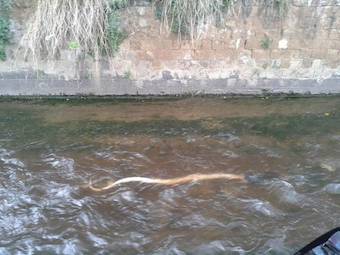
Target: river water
<point>49,150</point>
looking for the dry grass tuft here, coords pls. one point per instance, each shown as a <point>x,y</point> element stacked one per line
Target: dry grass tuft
<point>91,26</point>
<point>59,24</point>
<point>187,17</point>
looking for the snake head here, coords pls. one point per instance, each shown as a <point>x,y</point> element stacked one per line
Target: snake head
<point>109,184</point>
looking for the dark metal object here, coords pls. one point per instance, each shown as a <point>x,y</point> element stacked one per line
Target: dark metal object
<point>327,244</point>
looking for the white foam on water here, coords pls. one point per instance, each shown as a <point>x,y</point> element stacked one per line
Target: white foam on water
<point>285,192</point>
<point>63,164</point>
<point>6,157</point>
<point>332,188</point>
<point>261,207</point>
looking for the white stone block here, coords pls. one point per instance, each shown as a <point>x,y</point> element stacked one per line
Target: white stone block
<point>283,44</point>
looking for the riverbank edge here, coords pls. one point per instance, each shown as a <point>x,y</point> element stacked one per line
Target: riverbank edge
<point>164,87</point>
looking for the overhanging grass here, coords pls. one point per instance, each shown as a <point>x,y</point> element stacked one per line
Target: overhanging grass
<point>84,25</point>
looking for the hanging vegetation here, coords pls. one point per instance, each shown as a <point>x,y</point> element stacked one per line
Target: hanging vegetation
<point>86,25</point>
<point>273,10</point>
<point>93,26</point>
<point>186,17</point>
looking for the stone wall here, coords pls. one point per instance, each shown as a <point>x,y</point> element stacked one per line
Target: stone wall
<point>252,45</point>
<point>304,45</point>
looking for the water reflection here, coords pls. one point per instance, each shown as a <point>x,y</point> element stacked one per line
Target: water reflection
<point>287,149</point>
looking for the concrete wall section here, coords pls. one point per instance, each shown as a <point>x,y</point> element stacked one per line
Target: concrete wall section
<point>229,86</point>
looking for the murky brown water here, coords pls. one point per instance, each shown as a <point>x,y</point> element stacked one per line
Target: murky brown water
<point>288,148</point>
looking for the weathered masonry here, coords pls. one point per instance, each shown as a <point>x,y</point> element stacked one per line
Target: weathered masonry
<point>253,51</point>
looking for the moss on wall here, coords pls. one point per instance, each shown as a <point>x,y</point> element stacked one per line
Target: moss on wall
<point>5,6</point>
